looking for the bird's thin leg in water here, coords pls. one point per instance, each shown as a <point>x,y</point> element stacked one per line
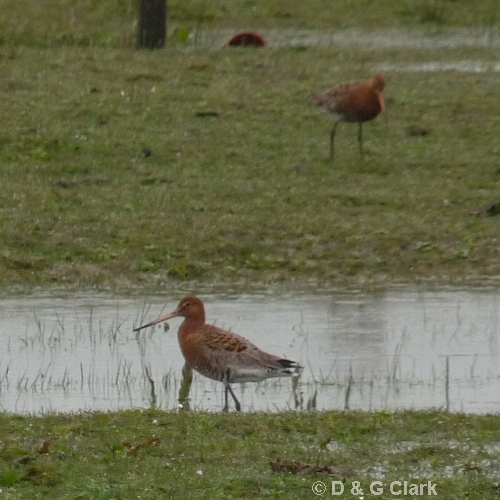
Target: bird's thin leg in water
<point>226,403</point>
<point>187,379</point>
<point>236,402</point>
<point>360,138</point>
<point>332,135</point>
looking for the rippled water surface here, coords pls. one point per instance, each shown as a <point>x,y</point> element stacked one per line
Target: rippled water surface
<point>390,351</point>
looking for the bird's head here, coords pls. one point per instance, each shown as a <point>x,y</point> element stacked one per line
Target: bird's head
<point>189,307</point>
<point>378,82</point>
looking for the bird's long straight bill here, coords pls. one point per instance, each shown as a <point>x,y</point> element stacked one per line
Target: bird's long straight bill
<point>156,321</point>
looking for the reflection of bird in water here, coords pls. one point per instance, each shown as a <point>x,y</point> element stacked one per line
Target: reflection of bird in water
<point>222,355</point>
<point>187,379</point>
<point>355,102</point>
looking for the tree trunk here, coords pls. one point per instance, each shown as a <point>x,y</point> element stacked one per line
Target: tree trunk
<point>152,24</point>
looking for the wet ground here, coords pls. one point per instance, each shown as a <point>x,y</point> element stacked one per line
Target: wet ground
<point>431,38</point>
<point>402,349</point>
<point>423,39</point>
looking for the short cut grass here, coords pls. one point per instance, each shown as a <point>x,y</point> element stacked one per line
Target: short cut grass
<point>120,166</point>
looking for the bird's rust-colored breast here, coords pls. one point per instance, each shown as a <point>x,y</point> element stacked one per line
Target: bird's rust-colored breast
<point>357,101</point>
<point>212,351</point>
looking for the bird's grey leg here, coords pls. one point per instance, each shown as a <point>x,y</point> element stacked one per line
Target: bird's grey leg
<point>332,135</point>
<point>360,138</point>
<point>227,390</point>
<point>236,402</point>
<point>226,403</point>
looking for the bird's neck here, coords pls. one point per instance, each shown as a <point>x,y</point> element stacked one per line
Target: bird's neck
<point>191,325</point>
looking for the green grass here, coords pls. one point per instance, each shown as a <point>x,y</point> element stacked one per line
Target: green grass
<point>249,196</point>
<point>153,454</point>
<point>52,23</point>
<point>245,197</point>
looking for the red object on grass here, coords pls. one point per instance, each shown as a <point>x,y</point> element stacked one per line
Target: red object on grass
<point>247,39</point>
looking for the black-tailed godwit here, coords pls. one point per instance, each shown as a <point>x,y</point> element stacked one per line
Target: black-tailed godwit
<point>222,355</point>
<point>355,102</point>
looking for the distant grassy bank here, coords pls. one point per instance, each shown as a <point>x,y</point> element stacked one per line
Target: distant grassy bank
<point>50,23</point>
<point>153,454</point>
<point>111,174</point>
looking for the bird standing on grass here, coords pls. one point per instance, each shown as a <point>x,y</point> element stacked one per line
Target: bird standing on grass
<point>222,355</point>
<point>355,102</point>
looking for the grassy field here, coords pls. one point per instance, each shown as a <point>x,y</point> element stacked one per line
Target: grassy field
<point>110,177</point>
<point>249,195</point>
<point>52,23</point>
<point>151,454</point>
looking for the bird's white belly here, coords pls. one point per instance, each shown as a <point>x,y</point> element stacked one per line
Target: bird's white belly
<point>336,116</point>
<point>242,375</point>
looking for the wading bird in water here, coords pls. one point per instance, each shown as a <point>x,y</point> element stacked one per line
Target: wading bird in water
<point>222,355</point>
<point>355,102</point>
